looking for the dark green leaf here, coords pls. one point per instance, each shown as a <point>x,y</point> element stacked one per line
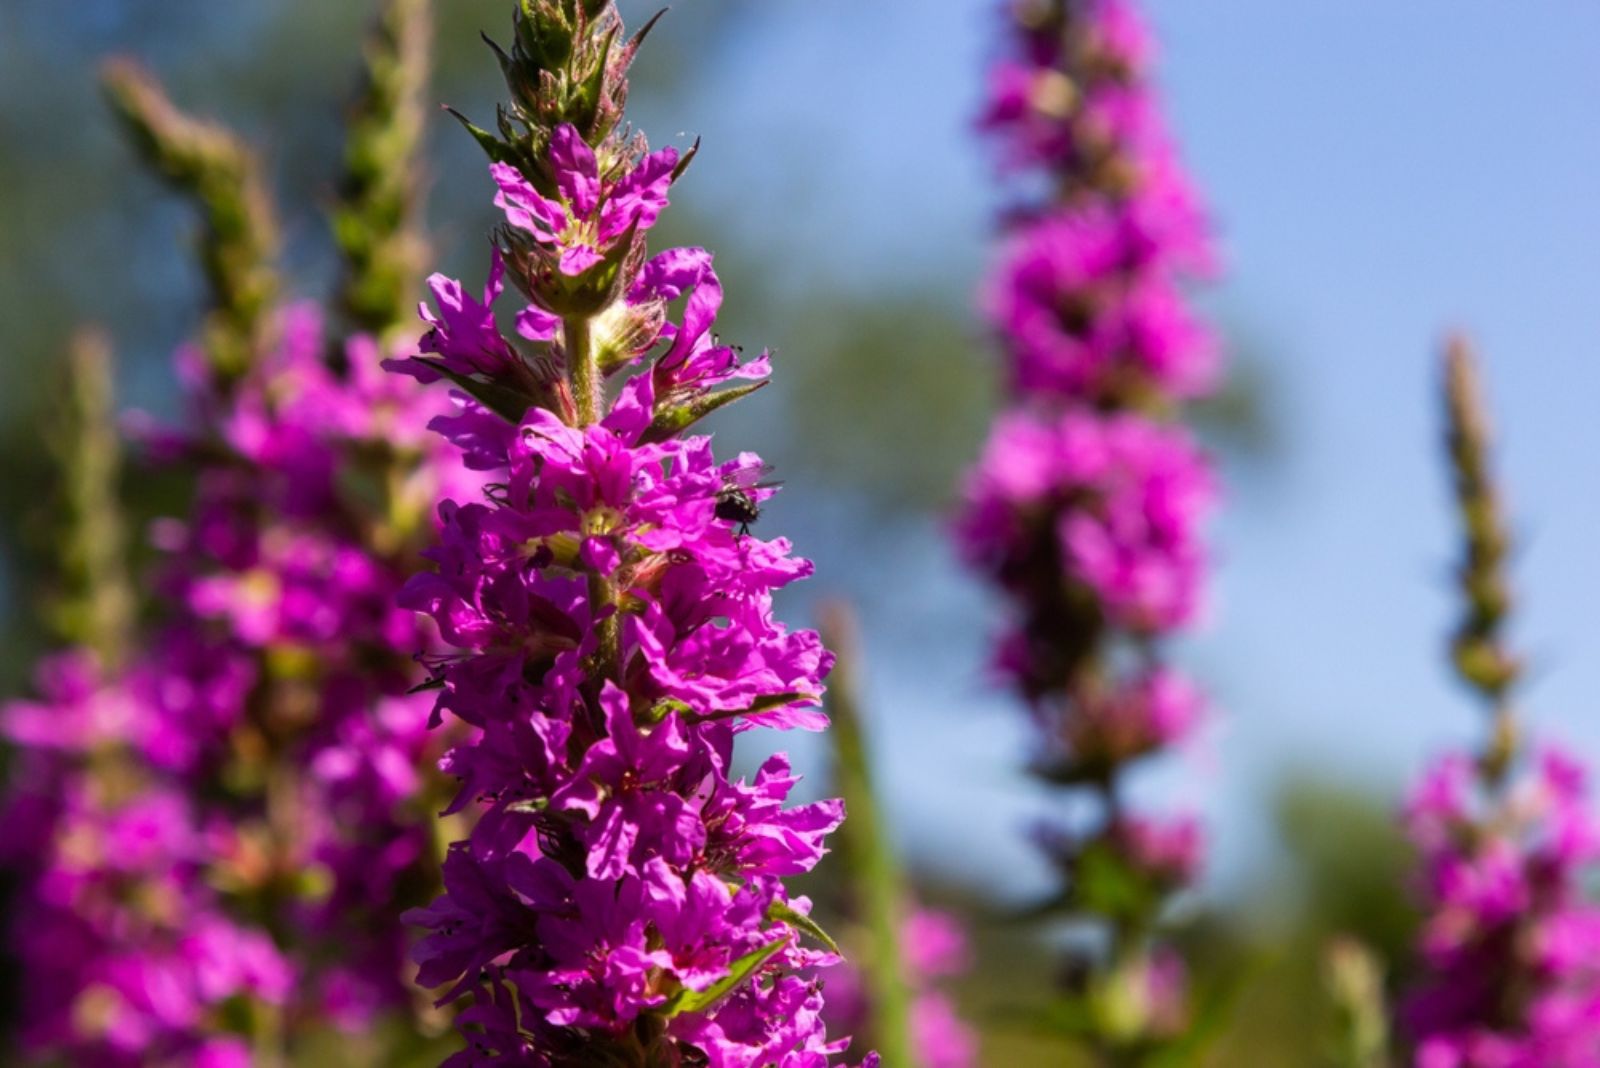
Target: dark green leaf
<point>738,972</point>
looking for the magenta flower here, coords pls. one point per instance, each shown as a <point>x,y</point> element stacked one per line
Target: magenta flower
<point>694,363</point>
<point>1087,506</point>
<point>644,803</point>
<point>933,947</point>
<point>610,614</point>
<point>1090,308</point>
<point>463,334</point>
<point>590,215</point>
<point>1510,937</point>
<point>145,844</point>
<point>1086,520</point>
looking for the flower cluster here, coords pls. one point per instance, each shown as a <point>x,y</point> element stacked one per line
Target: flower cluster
<point>1506,848</point>
<point>224,831</point>
<point>1511,944</point>
<point>1086,506</point>
<point>620,899</point>
<point>1086,520</point>
<point>1088,292</point>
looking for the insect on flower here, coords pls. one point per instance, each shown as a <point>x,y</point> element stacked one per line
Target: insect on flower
<point>736,500</point>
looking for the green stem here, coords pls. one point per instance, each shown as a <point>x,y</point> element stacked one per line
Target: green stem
<point>588,392</point>
<point>1353,977</point>
<point>876,882</point>
<point>583,369</point>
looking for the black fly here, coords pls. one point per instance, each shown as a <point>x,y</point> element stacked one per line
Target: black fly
<point>736,500</point>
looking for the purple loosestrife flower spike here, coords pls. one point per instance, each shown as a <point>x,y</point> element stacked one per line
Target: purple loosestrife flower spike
<point>1506,844</point>
<point>1085,509</point>
<point>234,818</point>
<point>213,842</point>
<point>620,899</point>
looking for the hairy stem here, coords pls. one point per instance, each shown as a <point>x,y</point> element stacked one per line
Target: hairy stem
<point>583,370</point>
<point>583,375</point>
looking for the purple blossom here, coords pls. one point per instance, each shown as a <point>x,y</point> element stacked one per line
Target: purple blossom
<point>463,334</point>
<point>611,633</point>
<point>1509,941</point>
<point>1130,718</point>
<point>1086,507</point>
<point>1111,504</point>
<point>694,362</point>
<point>590,215</point>
<point>933,947</point>
<point>643,802</point>
<point>1089,309</point>
<point>151,850</point>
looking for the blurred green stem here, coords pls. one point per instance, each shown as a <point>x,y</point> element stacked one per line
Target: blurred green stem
<point>377,220</point>
<point>94,604</point>
<point>219,172</point>
<point>876,884</point>
<point>1353,977</point>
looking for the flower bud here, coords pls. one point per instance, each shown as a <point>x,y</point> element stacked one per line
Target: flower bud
<point>625,331</point>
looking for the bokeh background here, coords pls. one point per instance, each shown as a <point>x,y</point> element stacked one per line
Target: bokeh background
<point>1377,172</point>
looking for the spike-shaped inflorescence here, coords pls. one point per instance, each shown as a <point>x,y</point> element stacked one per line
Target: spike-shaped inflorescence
<point>213,833</point>
<point>621,899</point>
<point>240,240</point>
<point>377,220</point>
<point>1086,505</point>
<point>1506,844</point>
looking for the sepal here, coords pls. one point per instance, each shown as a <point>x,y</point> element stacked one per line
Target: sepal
<point>672,420</point>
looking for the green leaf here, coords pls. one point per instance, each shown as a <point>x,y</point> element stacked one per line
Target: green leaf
<point>497,151</point>
<point>672,421</point>
<point>761,704</point>
<point>783,912</point>
<point>1105,884</point>
<point>505,402</point>
<point>686,159</point>
<point>644,31</point>
<point>738,972</point>
<point>664,708</point>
